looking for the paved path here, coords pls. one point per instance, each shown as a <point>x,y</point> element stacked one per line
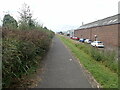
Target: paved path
<point>62,70</point>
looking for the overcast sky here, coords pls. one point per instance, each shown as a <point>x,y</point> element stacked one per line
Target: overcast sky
<point>62,15</point>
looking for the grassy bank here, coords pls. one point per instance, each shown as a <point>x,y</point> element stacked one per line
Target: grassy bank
<point>101,71</point>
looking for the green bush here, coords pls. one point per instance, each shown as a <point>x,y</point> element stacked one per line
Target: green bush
<point>22,51</point>
<point>9,22</point>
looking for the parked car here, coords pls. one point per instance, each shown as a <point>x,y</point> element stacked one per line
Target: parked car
<point>97,44</point>
<point>82,40</point>
<point>88,41</point>
<point>75,38</point>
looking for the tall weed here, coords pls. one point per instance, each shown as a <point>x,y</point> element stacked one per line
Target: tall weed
<point>22,50</point>
<point>106,57</point>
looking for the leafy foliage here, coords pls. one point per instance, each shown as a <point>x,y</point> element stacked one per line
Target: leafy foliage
<point>22,50</point>
<point>9,22</point>
<point>26,22</point>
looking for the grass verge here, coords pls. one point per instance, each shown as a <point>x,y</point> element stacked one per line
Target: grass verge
<point>105,76</point>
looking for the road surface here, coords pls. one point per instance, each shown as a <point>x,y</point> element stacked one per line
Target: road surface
<point>62,70</point>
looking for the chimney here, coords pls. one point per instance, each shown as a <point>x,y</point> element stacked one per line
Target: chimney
<point>82,23</point>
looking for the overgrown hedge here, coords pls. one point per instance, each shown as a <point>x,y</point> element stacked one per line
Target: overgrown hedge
<point>22,52</point>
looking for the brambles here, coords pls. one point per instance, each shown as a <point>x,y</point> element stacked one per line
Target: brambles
<point>24,44</point>
<point>22,51</point>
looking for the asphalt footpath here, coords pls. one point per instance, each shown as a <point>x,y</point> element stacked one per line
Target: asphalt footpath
<point>61,69</point>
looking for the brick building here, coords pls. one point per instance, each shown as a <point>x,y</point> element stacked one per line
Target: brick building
<point>105,29</point>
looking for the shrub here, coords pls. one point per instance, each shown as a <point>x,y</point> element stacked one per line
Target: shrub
<point>9,22</point>
<point>22,51</point>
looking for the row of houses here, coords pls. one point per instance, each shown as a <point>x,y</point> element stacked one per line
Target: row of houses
<point>105,30</point>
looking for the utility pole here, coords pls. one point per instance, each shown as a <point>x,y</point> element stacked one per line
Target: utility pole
<point>82,23</point>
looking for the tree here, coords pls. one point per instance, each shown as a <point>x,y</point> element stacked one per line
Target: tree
<point>45,27</point>
<point>31,23</point>
<point>26,22</point>
<point>9,22</point>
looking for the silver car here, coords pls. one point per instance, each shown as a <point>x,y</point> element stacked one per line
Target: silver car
<point>97,44</point>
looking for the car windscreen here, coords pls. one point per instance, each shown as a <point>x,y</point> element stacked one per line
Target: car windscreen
<point>99,42</point>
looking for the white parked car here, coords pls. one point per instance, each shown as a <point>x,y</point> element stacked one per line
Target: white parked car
<point>88,41</point>
<point>97,44</point>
